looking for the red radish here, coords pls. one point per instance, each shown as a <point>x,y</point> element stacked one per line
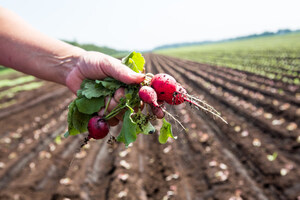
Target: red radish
<point>98,128</point>
<point>178,96</point>
<point>168,89</point>
<point>164,85</point>
<point>173,93</point>
<point>148,95</point>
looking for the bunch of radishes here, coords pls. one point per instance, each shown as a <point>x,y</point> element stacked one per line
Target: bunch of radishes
<point>159,89</point>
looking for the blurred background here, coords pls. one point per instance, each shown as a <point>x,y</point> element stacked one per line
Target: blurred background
<point>242,57</point>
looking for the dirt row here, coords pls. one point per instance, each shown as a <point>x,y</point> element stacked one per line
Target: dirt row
<point>242,137</point>
<point>211,161</point>
<point>250,90</point>
<point>268,87</point>
<point>257,114</point>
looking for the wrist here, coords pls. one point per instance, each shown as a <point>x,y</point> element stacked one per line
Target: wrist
<point>72,76</point>
<point>68,64</point>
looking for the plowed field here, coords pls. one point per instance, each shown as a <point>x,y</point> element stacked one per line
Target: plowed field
<point>255,156</point>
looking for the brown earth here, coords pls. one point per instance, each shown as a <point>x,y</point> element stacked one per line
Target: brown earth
<point>211,161</point>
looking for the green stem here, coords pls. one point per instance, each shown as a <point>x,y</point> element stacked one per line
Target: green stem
<point>114,112</point>
<point>107,105</point>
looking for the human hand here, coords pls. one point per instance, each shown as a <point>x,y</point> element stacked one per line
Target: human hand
<point>95,65</point>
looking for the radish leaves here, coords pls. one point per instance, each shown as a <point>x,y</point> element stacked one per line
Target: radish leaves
<point>128,132</point>
<point>134,61</point>
<point>89,106</point>
<point>165,132</point>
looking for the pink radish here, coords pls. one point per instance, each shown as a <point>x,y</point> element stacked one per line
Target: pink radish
<point>148,95</point>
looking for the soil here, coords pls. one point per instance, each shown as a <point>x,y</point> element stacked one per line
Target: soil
<point>213,160</point>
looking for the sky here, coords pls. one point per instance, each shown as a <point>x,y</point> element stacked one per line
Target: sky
<point>143,25</point>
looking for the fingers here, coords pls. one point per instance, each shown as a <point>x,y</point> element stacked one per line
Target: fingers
<point>96,65</point>
<point>119,94</point>
<point>113,121</point>
<point>158,111</point>
<point>116,99</point>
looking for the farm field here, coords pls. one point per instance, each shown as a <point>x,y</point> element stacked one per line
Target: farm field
<point>255,156</point>
<point>273,57</point>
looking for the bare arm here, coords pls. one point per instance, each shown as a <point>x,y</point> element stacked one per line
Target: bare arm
<point>27,50</point>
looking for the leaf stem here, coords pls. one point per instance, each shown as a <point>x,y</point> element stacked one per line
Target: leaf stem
<point>114,112</point>
<point>106,107</point>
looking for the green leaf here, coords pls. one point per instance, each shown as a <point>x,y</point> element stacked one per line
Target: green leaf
<point>92,89</point>
<point>71,129</point>
<point>165,132</point>
<point>128,132</point>
<point>82,85</point>
<point>70,113</point>
<point>110,83</point>
<point>80,121</point>
<point>79,93</point>
<point>89,106</point>
<point>134,61</point>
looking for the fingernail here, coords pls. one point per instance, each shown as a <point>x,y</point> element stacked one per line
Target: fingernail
<point>137,75</point>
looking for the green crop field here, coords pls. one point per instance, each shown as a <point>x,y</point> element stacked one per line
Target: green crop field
<point>274,57</point>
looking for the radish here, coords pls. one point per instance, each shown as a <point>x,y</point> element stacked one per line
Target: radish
<point>178,95</point>
<point>173,93</point>
<point>164,85</point>
<point>148,95</point>
<point>98,128</point>
<point>168,89</point>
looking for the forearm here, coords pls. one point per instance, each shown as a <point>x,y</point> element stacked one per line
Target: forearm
<point>26,49</point>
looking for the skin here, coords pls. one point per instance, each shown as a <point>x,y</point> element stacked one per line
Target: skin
<point>25,49</point>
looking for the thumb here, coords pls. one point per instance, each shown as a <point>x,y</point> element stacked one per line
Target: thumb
<point>114,68</point>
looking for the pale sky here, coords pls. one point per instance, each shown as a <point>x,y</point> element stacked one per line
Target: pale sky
<point>143,25</point>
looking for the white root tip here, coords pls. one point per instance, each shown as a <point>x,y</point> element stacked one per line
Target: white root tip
<point>176,120</point>
<point>206,107</point>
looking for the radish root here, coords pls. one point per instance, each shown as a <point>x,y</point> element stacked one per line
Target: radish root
<point>203,105</point>
<point>176,120</point>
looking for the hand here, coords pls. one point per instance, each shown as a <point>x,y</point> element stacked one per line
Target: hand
<point>95,65</point>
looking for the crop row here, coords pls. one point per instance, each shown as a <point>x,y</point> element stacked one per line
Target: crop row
<point>253,144</point>
<point>275,58</point>
<point>287,105</point>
